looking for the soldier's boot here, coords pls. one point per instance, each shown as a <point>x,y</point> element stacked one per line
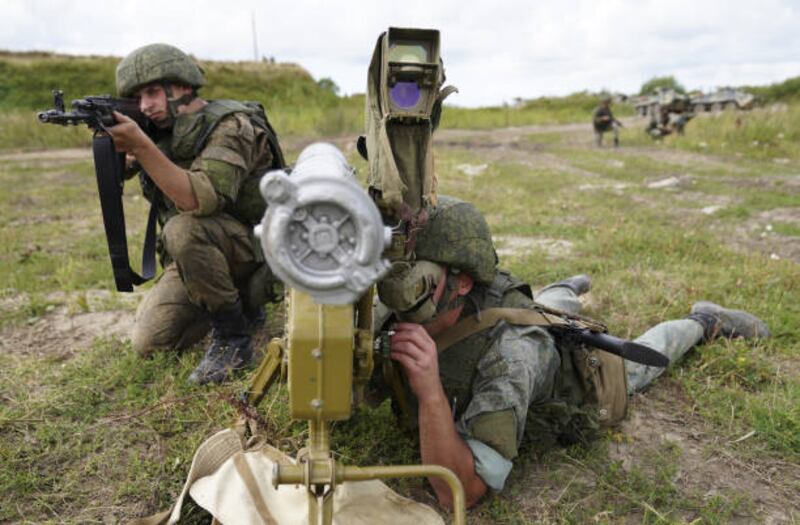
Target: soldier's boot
<point>255,318</point>
<point>718,321</point>
<point>579,284</point>
<point>616,142</point>
<point>230,348</point>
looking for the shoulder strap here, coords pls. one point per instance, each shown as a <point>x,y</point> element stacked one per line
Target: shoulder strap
<point>258,115</point>
<point>536,316</point>
<point>108,168</point>
<point>216,110</point>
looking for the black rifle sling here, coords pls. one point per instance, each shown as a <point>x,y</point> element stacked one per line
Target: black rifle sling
<point>108,168</point>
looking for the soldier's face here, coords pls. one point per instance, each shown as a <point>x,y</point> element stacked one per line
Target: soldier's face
<point>153,103</point>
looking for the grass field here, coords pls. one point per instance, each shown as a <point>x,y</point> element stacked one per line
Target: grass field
<point>770,133</point>
<point>90,433</point>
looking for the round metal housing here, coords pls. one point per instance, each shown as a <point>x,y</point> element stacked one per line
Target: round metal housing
<point>322,233</point>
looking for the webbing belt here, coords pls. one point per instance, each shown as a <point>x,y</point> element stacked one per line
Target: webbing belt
<point>108,168</point>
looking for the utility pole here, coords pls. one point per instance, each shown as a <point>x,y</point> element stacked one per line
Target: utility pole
<point>255,36</point>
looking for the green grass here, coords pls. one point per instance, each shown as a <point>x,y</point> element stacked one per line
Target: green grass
<point>652,257</point>
<point>764,134</point>
<point>296,104</point>
<point>97,433</point>
<point>299,105</point>
<point>786,91</point>
<point>577,107</point>
<point>107,415</point>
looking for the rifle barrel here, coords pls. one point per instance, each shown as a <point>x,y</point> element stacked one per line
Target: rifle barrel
<point>629,350</point>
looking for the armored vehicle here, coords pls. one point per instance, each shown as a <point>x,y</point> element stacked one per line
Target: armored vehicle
<point>722,99</point>
<point>663,100</point>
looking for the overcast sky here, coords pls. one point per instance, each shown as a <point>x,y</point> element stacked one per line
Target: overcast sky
<point>494,51</point>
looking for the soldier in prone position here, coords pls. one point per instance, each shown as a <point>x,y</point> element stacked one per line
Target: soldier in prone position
<point>476,396</point>
<point>479,373</point>
<point>203,177</point>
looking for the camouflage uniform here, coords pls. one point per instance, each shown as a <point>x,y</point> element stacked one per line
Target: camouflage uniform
<point>209,253</point>
<point>514,393</point>
<point>512,382</point>
<point>603,126</point>
<point>509,380</point>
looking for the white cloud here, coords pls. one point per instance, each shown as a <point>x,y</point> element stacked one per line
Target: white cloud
<point>493,51</point>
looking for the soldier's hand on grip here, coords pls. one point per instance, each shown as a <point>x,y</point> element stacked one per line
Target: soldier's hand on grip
<point>414,349</point>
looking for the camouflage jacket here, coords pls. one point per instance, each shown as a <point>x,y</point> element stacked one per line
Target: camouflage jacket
<point>597,118</point>
<point>511,382</point>
<point>224,155</point>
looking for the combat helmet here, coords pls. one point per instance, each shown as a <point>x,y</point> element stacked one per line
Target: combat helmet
<point>157,62</point>
<point>458,236</point>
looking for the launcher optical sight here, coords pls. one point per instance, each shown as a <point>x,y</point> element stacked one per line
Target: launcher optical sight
<point>410,72</point>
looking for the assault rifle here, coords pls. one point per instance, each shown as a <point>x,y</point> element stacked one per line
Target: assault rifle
<point>97,112</point>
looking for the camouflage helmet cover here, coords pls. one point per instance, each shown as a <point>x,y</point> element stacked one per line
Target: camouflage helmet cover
<point>458,236</point>
<point>155,62</point>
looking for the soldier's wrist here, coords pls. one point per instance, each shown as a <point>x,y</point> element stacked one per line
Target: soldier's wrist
<point>144,146</point>
<point>432,396</point>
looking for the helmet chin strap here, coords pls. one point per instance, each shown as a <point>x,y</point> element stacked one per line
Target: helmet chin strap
<point>450,286</point>
<point>173,103</point>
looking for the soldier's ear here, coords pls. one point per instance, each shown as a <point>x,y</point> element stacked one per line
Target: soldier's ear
<point>465,283</point>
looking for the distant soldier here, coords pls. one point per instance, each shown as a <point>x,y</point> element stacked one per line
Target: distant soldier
<point>202,177</point>
<point>670,122</point>
<point>655,130</point>
<point>680,120</point>
<point>604,121</point>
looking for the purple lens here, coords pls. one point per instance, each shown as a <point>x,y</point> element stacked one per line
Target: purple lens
<point>405,94</point>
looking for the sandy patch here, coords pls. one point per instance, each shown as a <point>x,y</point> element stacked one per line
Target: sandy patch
<point>709,462</point>
<point>788,183</point>
<point>59,334</point>
<point>515,246</point>
<point>758,235</point>
<point>63,331</point>
<point>616,187</point>
<point>472,170</point>
<point>711,210</point>
<point>788,215</point>
<point>68,155</point>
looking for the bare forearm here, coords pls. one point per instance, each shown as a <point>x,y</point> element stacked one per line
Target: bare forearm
<point>169,177</point>
<point>441,445</point>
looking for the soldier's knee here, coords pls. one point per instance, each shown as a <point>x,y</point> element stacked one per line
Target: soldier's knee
<point>142,342</point>
<point>181,234</point>
<point>151,331</point>
<point>147,342</point>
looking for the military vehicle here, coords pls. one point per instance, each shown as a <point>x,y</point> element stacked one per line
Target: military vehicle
<point>723,99</point>
<point>662,99</point>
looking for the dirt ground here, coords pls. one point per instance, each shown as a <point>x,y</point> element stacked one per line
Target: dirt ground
<point>519,145</point>
<point>662,414</point>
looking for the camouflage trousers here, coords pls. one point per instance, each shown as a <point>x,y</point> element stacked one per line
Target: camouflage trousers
<point>671,338</point>
<point>212,259</point>
<point>613,129</point>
